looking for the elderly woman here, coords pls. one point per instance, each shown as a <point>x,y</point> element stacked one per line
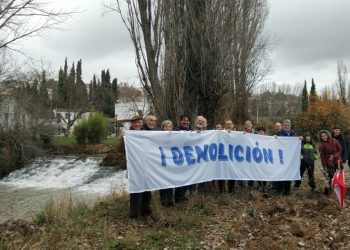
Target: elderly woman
<point>330,153</point>
<point>166,195</point>
<point>140,203</point>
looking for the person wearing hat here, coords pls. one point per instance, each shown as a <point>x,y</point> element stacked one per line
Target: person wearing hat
<point>338,135</point>
<point>308,157</point>
<point>140,203</point>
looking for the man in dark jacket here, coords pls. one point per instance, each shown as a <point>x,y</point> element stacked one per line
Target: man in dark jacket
<point>185,125</point>
<point>140,203</point>
<point>348,146</point>
<point>338,135</point>
<point>284,186</point>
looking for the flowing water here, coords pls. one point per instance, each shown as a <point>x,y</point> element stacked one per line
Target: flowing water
<point>24,192</point>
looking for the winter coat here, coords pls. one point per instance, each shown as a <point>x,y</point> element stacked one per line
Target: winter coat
<point>308,153</point>
<point>330,147</point>
<point>342,141</point>
<point>282,132</point>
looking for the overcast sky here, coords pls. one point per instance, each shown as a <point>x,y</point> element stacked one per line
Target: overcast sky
<point>310,37</point>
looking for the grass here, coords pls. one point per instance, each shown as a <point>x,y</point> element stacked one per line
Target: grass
<point>64,141</point>
<point>71,141</point>
<point>244,220</point>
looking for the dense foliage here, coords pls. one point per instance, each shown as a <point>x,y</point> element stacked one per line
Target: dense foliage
<point>91,130</point>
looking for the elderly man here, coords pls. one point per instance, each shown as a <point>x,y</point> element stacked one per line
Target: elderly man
<point>140,203</point>
<point>229,126</point>
<point>276,128</point>
<point>150,123</point>
<point>200,123</point>
<point>284,186</point>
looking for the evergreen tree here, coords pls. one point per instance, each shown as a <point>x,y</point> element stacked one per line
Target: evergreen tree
<point>313,95</point>
<point>79,79</point>
<point>65,69</point>
<point>61,98</point>
<point>115,88</point>
<point>103,78</point>
<point>81,92</point>
<point>108,78</point>
<point>92,87</point>
<point>71,88</point>
<point>305,99</point>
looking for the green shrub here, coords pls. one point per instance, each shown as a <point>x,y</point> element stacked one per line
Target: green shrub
<point>81,131</point>
<point>97,127</point>
<point>92,130</point>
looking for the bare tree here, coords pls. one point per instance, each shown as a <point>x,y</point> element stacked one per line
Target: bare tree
<point>20,19</point>
<point>25,18</point>
<point>193,56</point>
<point>342,79</point>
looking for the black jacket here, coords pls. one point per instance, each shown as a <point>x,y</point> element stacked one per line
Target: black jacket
<point>342,141</point>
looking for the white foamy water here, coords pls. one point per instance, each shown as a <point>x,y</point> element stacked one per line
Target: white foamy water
<point>81,175</point>
<point>25,191</point>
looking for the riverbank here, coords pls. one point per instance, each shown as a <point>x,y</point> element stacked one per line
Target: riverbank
<point>245,220</point>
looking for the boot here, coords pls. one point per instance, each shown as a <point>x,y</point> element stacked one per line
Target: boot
<point>326,191</point>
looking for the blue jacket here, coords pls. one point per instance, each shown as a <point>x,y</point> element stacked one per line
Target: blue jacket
<point>282,132</point>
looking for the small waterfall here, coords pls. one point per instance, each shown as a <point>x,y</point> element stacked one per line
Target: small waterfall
<point>24,191</point>
<point>79,175</point>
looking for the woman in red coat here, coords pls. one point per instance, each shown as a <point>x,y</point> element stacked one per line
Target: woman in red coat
<point>330,152</point>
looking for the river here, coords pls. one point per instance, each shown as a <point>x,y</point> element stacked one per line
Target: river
<point>24,192</point>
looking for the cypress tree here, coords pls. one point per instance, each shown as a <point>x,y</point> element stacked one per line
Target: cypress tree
<point>304,99</point>
<point>71,88</point>
<point>79,79</point>
<point>80,88</point>
<point>115,88</point>
<point>313,95</point>
<point>61,99</point>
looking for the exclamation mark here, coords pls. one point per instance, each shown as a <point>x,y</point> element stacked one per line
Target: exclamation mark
<point>162,157</point>
<point>280,153</point>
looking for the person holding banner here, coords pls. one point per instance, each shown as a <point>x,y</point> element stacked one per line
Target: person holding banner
<point>185,125</point>
<point>167,195</point>
<point>200,125</point>
<point>248,128</point>
<point>285,186</point>
<point>140,203</point>
<point>229,126</point>
<point>261,184</point>
<point>330,153</point>
<point>150,123</point>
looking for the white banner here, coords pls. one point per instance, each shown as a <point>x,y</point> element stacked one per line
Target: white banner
<point>163,159</point>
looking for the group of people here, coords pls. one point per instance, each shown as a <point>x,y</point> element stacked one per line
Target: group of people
<point>333,153</point>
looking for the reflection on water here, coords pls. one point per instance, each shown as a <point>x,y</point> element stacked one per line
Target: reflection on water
<point>24,192</point>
